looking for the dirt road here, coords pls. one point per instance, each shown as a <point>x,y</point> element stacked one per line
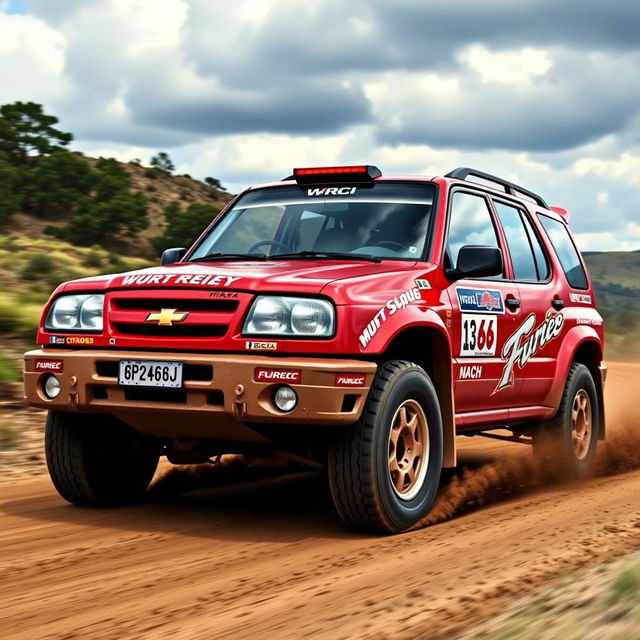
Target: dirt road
<point>271,560</point>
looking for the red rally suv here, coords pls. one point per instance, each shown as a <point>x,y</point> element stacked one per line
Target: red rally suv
<point>339,318</point>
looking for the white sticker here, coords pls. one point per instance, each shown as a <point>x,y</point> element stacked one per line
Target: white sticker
<point>470,372</point>
<point>479,334</point>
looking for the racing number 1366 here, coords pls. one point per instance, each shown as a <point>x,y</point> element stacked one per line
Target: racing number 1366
<point>478,335</point>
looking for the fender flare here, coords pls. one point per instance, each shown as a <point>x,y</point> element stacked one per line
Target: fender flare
<point>439,366</point>
<point>577,337</point>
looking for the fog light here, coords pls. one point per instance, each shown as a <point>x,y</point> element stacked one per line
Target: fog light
<point>285,398</point>
<point>51,387</point>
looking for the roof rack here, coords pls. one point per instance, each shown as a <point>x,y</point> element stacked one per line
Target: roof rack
<point>461,173</point>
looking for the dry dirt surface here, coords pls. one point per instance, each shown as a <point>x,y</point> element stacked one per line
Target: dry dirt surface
<point>270,559</point>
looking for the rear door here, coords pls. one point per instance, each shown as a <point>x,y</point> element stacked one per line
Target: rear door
<point>484,313</point>
<point>531,351</point>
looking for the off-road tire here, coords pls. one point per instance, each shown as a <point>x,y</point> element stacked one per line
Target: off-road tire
<point>553,442</point>
<point>96,460</point>
<point>358,462</point>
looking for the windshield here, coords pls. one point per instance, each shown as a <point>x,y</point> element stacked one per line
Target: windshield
<point>387,220</point>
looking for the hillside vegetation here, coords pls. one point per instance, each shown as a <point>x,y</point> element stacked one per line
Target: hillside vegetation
<point>66,216</point>
<point>616,277</point>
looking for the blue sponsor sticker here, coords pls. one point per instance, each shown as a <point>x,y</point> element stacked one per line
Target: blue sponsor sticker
<point>57,340</point>
<point>480,300</point>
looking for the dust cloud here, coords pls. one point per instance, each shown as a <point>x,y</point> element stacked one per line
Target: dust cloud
<point>513,471</point>
<point>518,473</point>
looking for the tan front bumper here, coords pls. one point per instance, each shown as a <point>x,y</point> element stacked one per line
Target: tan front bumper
<point>89,383</point>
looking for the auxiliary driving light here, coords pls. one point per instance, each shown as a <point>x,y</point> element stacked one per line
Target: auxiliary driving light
<point>51,386</point>
<point>285,398</point>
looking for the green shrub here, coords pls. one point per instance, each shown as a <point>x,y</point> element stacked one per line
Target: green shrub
<point>93,260</point>
<point>626,586</point>
<point>8,320</point>
<point>19,317</point>
<point>37,267</point>
<point>9,371</point>
<point>152,173</point>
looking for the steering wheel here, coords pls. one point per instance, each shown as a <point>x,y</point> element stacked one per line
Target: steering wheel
<point>391,244</point>
<point>272,243</point>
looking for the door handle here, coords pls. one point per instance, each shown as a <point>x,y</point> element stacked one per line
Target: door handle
<point>512,303</point>
<point>557,303</point>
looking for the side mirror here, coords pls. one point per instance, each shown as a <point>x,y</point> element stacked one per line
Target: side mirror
<point>476,261</point>
<point>169,256</point>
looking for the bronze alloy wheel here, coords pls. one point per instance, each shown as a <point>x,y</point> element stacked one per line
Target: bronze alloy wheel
<point>408,449</point>
<point>581,424</point>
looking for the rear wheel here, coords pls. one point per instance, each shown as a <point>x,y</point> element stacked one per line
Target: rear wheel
<point>385,470</point>
<point>567,444</point>
<point>96,460</point>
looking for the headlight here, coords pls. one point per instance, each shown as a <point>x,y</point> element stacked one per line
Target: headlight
<point>277,315</point>
<point>76,313</point>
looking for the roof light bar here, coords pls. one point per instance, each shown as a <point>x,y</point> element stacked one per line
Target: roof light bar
<point>345,174</point>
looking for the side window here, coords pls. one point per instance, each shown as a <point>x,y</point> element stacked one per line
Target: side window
<point>566,251</point>
<point>524,265</point>
<point>542,263</point>
<point>470,222</point>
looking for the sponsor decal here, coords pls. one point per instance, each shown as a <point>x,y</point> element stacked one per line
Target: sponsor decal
<point>349,380</point>
<point>49,365</point>
<point>331,191</point>
<point>592,322</point>
<point>166,317</point>
<point>470,372</point>
<point>525,342</point>
<point>223,294</point>
<point>422,284</point>
<point>80,339</point>
<point>293,376</point>
<point>258,345</point>
<point>483,300</point>
<point>580,298</point>
<point>210,279</point>
<point>479,334</point>
<point>390,308</point>
<point>71,339</point>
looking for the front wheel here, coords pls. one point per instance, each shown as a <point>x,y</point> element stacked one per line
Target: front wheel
<point>385,470</point>
<point>567,444</point>
<point>96,460</point>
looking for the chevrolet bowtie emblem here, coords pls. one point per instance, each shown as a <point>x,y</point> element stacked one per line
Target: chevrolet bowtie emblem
<point>166,317</point>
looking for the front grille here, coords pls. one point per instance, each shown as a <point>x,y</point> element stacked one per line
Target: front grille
<point>206,314</point>
<point>173,331</point>
<point>180,304</point>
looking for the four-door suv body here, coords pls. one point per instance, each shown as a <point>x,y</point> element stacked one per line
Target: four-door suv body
<point>339,318</point>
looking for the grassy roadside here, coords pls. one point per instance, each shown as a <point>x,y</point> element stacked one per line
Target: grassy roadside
<point>30,268</point>
<point>602,602</point>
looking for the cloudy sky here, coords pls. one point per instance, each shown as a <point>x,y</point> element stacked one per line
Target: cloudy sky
<point>543,92</point>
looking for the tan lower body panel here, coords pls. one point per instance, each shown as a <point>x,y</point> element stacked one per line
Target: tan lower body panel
<point>218,395</point>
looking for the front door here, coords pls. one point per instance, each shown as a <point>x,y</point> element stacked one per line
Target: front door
<point>485,312</point>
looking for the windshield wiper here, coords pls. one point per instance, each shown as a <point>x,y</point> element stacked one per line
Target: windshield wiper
<point>212,257</point>
<point>331,255</point>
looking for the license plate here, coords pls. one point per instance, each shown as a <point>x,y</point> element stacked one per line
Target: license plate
<point>150,373</point>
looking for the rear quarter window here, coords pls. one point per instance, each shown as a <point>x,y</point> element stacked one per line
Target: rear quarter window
<point>566,251</point>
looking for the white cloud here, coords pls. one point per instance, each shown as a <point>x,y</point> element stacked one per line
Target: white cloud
<point>517,68</point>
<point>32,59</point>
<point>245,91</point>
<point>626,240</point>
<point>625,167</point>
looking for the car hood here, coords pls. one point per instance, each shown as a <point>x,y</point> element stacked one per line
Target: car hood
<point>292,276</point>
